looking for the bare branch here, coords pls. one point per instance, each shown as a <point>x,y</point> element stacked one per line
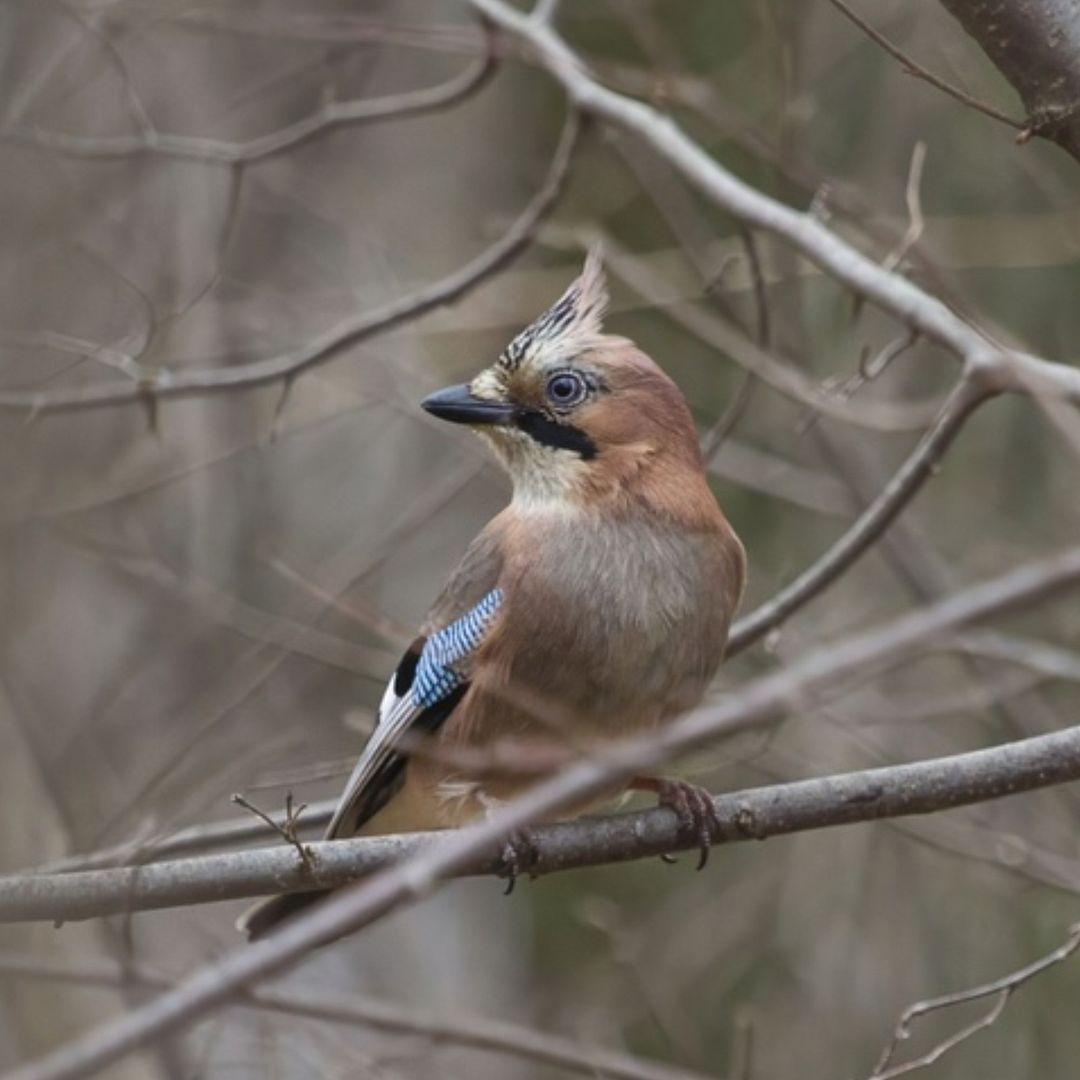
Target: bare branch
<point>874,520</point>
<point>333,114</point>
<point>913,198</point>
<point>1008,370</point>
<point>493,1036</point>
<point>1000,989</point>
<point>1035,46</point>
<point>754,814</point>
<point>911,67</point>
<point>1030,763</point>
<point>349,332</point>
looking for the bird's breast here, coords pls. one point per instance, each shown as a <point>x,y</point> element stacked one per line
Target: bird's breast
<point>611,624</point>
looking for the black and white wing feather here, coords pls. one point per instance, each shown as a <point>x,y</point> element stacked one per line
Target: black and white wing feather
<point>430,680</point>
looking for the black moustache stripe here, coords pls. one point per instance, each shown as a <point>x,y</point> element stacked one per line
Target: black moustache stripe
<point>551,433</point>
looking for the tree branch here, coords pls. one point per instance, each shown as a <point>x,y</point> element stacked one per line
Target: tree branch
<point>170,384</point>
<point>755,814</point>
<point>1036,46</point>
<point>804,684</point>
<point>1006,369</point>
<point>1000,989</point>
<point>333,114</point>
<point>904,485</point>
<point>492,1036</point>
<point>916,69</point>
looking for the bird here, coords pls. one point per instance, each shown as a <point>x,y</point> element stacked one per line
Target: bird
<point>594,606</point>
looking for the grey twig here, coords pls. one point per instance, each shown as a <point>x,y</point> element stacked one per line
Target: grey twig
<point>286,829</point>
<point>931,785</point>
<point>755,814</point>
<point>999,989</point>
<point>905,483</point>
<point>475,1033</point>
<point>1035,46</point>
<point>1005,369</point>
<point>759,361</point>
<point>333,114</point>
<point>913,199</point>
<point>919,72</point>
<point>349,332</point>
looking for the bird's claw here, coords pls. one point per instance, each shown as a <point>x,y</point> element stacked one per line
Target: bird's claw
<point>519,855</point>
<point>694,808</point>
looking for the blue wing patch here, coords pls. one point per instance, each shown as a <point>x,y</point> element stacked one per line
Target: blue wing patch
<point>425,689</point>
<point>437,673</point>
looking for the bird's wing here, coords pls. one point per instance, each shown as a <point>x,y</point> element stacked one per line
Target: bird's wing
<point>430,680</point>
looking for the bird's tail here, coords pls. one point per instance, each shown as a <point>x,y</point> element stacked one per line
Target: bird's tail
<point>261,918</point>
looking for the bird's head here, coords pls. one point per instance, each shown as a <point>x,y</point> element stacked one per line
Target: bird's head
<point>574,414</point>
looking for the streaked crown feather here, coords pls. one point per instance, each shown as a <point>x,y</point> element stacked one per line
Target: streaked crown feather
<point>572,324</point>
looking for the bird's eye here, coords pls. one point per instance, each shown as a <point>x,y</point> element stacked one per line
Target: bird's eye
<point>566,388</point>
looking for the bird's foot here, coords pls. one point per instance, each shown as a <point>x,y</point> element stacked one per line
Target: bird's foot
<point>519,852</point>
<point>519,855</point>
<point>693,806</point>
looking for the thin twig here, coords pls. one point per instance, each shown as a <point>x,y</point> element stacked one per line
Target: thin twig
<point>349,332</point>
<point>1034,762</point>
<point>1000,989</point>
<point>286,829</point>
<point>913,200</point>
<point>732,342</point>
<point>1009,369</point>
<point>333,114</point>
<point>714,439</point>
<point>728,420</point>
<point>911,67</point>
<point>492,1036</point>
<point>904,485</point>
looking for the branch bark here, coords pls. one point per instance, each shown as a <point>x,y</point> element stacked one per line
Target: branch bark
<point>804,684</point>
<point>902,487</point>
<point>1035,44</point>
<point>759,813</point>
<point>914,68</point>
<point>334,114</point>
<point>1007,370</point>
<point>493,1036</point>
<point>287,366</point>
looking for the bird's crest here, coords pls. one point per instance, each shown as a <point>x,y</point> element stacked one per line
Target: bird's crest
<point>572,324</point>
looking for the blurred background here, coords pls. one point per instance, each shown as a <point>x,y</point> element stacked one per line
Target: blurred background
<point>205,595</point>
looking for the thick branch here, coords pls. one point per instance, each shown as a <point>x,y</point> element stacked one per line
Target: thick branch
<point>894,791</point>
<point>1036,46</point>
<point>804,684</point>
<point>892,292</point>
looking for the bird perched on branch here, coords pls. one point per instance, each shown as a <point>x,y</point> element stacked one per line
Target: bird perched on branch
<point>596,605</point>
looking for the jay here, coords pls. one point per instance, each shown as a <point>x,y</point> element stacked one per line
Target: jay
<point>596,605</point>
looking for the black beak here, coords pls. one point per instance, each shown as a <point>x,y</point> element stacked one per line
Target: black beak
<point>459,406</point>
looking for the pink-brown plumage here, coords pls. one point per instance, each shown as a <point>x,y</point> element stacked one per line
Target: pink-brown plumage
<point>616,573</point>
